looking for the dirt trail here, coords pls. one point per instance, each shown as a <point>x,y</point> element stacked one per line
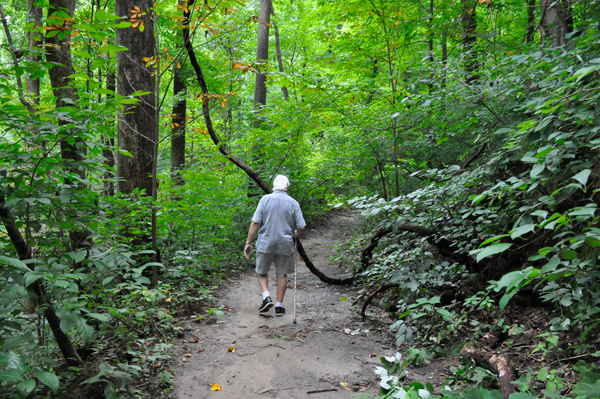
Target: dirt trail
<point>274,357</point>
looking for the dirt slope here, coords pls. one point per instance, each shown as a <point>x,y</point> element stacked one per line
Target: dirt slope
<point>274,357</point>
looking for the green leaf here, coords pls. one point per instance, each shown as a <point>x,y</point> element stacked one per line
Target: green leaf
<point>551,265</point>
<point>108,280</point>
<point>16,263</point>
<point>48,379</point>
<point>112,48</point>
<point>342,299</point>
<point>588,388</point>
<point>67,322</point>
<point>537,169</point>
<point>492,250</point>
<point>592,241</point>
<point>123,25</point>
<point>11,376</point>
<point>77,256</point>
<point>582,177</point>
<point>521,395</point>
<point>26,386</point>
<point>30,278</point>
<point>586,211</point>
<point>522,230</point>
<point>542,375</point>
<point>103,317</point>
<point>569,254</point>
<point>13,360</point>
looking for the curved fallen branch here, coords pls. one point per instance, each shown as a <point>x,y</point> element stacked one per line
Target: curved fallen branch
<point>206,109</point>
<point>381,289</point>
<point>227,154</point>
<point>318,273</point>
<point>367,253</point>
<point>499,363</point>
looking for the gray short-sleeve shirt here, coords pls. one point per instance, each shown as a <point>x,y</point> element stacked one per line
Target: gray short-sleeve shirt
<point>279,215</point>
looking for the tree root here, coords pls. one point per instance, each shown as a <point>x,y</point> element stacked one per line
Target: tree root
<point>381,289</point>
<point>499,363</point>
<point>320,274</point>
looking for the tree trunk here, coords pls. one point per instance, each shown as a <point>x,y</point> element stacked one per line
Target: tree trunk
<point>262,53</point>
<point>284,89</point>
<point>59,54</point>
<point>178,125</point>
<point>530,20</point>
<point>555,18</point>
<point>469,23</point>
<point>35,43</point>
<point>64,342</point>
<point>430,41</point>
<point>109,141</point>
<point>137,128</point>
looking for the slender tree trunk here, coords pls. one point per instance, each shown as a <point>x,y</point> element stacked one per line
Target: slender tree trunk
<point>567,6</point>
<point>284,89</point>
<point>109,141</point>
<point>430,41</point>
<point>262,53</point>
<point>35,43</point>
<point>178,124</point>
<point>59,54</point>
<point>469,23</point>
<point>62,339</point>
<point>530,20</point>
<point>137,127</point>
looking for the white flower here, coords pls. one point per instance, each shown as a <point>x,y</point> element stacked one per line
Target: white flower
<point>381,372</point>
<point>424,393</point>
<point>400,394</point>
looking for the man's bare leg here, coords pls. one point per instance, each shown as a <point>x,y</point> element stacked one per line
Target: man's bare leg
<point>281,287</point>
<point>264,282</point>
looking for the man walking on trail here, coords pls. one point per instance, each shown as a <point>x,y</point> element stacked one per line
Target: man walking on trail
<point>275,219</point>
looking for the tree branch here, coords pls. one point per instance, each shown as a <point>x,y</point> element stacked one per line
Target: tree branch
<point>206,109</point>
<point>475,156</point>
<point>13,50</point>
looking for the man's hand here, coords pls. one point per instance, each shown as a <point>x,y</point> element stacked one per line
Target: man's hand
<point>248,250</point>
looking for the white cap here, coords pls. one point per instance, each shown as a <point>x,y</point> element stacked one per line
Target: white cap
<point>281,183</point>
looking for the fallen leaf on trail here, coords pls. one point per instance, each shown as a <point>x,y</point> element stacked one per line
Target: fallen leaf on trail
<point>232,349</point>
<point>275,328</point>
<point>344,384</point>
<point>188,355</point>
<point>194,340</point>
<point>197,330</point>
<point>352,342</point>
<point>373,355</point>
<point>336,293</point>
<point>267,330</point>
<point>305,336</point>
<point>199,350</point>
<point>347,331</point>
<point>216,387</point>
<point>169,299</point>
<point>253,336</point>
<point>319,327</point>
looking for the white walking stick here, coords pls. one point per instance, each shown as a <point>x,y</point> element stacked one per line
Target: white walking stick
<point>295,275</point>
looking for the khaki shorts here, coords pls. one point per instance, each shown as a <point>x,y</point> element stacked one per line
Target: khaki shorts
<point>284,264</point>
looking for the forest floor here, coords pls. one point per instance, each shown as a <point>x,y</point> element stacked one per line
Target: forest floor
<point>330,350</point>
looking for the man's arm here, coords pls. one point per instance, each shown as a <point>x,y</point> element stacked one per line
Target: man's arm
<point>254,227</point>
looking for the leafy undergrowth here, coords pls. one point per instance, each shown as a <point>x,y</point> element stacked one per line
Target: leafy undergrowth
<point>503,252</point>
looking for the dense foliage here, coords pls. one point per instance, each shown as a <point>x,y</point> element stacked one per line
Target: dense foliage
<point>465,131</point>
